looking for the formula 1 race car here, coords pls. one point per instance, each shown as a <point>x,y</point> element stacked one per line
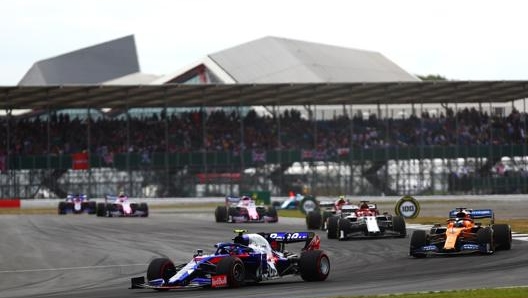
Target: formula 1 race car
<point>121,206</point>
<point>77,204</point>
<point>248,258</point>
<point>364,221</point>
<point>318,218</point>
<point>305,204</point>
<point>244,209</point>
<point>462,235</point>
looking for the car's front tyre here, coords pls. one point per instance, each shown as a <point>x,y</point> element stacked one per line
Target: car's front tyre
<point>418,240</point>
<point>161,268</point>
<point>234,269</point>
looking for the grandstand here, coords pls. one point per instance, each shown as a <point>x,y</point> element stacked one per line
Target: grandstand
<point>336,121</point>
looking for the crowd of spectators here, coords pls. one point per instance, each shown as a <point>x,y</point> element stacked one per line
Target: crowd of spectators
<point>227,130</point>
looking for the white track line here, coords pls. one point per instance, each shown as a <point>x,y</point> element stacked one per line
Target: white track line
<point>70,268</point>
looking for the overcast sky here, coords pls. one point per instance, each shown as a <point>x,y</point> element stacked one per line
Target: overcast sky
<point>457,39</point>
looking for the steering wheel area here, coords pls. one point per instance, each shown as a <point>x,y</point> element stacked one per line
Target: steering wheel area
<point>232,249</point>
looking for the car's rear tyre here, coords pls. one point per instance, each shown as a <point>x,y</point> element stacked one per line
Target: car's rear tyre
<point>134,207</point>
<point>143,207</point>
<point>272,213</point>
<point>92,207</point>
<point>398,225</point>
<point>62,208</point>
<point>332,227</point>
<point>221,214</point>
<point>418,239</point>
<point>343,228</point>
<point>314,265</point>
<point>110,207</point>
<point>101,209</point>
<point>324,220</point>
<point>313,220</point>
<point>502,236</point>
<point>232,212</point>
<point>234,270</point>
<point>161,268</point>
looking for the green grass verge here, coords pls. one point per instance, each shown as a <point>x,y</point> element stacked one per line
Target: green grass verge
<point>520,292</point>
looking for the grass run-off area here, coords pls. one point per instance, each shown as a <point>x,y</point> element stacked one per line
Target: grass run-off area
<point>520,292</point>
<point>518,225</point>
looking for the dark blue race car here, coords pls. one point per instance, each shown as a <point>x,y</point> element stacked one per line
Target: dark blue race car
<point>247,258</point>
<point>76,204</point>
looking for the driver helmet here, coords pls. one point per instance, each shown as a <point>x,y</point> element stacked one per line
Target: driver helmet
<point>364,205</point>
<point>340,202</point>
<point>463,214</point>
<point>122,196</point>
<point>463,218</point>
<point>245,200</point>
<point>459,222</point>
<point>241,239</point>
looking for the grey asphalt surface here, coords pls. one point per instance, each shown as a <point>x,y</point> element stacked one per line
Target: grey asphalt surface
<point>87,256</point>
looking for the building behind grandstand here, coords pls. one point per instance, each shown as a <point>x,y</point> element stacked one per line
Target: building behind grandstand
<point>266,60</point>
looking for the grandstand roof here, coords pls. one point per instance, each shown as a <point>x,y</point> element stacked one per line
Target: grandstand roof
<point>185,95</point>
<point>92,65</point>
<point>266,71</point>
<point>280,60</point>
<point>270,60</point>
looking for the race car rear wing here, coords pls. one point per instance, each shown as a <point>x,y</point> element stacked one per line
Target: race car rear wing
<point>311,240</point>
<point>474,214</point>
<point>326,204</point>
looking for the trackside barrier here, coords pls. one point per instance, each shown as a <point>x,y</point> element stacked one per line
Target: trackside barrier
<point>46,203</point>
<point>10,203</point>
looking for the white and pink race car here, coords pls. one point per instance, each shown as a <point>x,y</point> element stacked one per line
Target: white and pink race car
<point>245,209</point>
<point>120,206</point>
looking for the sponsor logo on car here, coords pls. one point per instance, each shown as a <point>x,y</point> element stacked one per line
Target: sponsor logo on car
<point>218,281</point>
<point>470,247</point>
<point>429,248</point>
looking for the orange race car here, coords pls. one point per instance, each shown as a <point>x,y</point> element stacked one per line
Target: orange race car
<point>462,235</point>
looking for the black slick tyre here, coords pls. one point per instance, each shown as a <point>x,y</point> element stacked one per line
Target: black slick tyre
<point>314,265</point>
<point>331,231</point>
<point>502,236</point>
<point>62,208</point>
<point>418,239</point>
<point>221,214</point>
<point>144,208</point>
<point>343,226</point>
<point>313,220</point>
<point>101,209</point>
<point>485,237</point>
<point>234,270</point>
<point>398,225</point>
<point>161,268</point>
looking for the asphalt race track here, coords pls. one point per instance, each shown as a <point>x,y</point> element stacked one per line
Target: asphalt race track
<point>86,256</point>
